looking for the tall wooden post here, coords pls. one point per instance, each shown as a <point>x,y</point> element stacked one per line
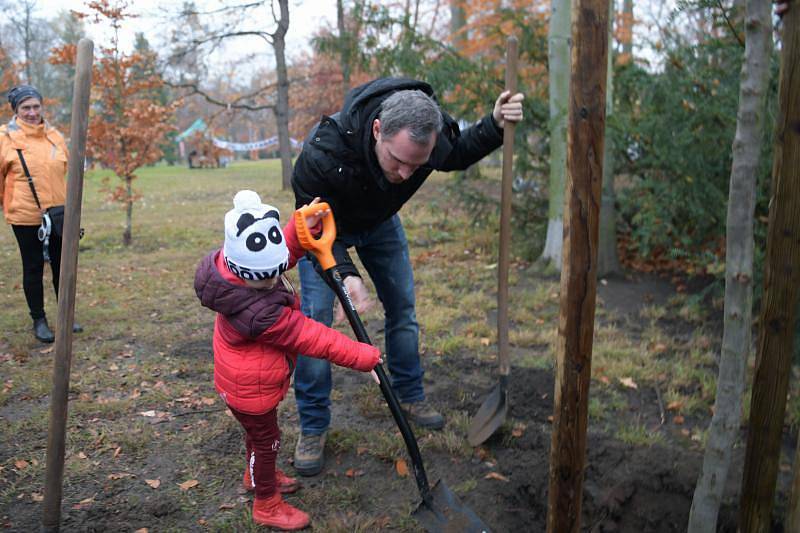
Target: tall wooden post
<point>779,304</point>
<point>579,262</point>
<point>56,438</point>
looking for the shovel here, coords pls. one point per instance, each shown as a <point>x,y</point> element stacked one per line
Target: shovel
<point>440,509</point>
<point>492,413</point>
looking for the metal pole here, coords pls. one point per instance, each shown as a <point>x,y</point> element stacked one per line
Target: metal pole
<point>56,438</point>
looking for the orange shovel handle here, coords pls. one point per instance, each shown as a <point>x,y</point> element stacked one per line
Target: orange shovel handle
<point>322,246</point>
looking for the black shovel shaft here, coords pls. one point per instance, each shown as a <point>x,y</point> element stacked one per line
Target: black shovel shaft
<point>334,280</point>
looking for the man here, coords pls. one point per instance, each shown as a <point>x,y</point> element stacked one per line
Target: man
<point>366,161</point>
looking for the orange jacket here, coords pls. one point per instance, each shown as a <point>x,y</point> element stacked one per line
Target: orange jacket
<point>45,153</point>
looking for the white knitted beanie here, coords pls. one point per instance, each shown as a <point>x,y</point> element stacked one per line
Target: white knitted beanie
<point>255,247</point>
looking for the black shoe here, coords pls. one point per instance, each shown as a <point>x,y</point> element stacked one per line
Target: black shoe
<point>42,331</point>
<point>76,328</point>
<point>423,414</point>
<point>309,454</point>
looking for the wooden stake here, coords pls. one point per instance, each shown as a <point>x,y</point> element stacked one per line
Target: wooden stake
<point>585,146</point>
<point>779,304</point>
<point>56,438</point>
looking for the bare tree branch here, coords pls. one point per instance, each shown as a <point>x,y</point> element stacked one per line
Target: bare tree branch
<point>235,104</point>
<point>222,9</point>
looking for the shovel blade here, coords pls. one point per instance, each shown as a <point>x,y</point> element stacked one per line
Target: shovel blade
<point>489,417</point>
<point>444,513</point>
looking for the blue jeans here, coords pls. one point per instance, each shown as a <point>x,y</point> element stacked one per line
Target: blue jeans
<point>384,253</point>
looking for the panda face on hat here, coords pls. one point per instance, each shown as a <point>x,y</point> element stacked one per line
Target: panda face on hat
<point>255,248</point>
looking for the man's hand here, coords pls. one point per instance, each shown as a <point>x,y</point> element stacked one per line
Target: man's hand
<point>358,293</point>
<point>313,220</point>
<point>508,107</point>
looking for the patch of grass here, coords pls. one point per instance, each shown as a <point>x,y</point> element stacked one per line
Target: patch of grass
<point>639,435</point>
<point>466,486</point>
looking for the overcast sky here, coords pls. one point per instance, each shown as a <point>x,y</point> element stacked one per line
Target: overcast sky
<point>305,17</point>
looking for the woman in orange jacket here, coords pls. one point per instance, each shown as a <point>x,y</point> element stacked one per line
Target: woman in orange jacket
<point>29,138</point>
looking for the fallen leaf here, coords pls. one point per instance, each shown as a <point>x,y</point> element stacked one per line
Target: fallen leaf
<point>485,341</point>
<point>678,420</point>
<point>142,530</point>
<point>81,455</point>
<point>120,475</point>
<point>154,483</point>
<point>227,506</point>
<point>209,401</point>
<point>118,451</point>
<point>37,497</point>
<point>186,485</point>
<point>628,382</point>
<point>495,475</point>
<point>519,429</point>
<point>660,348</point>
<point>46,350</point>
<point>361,450</point>
<point>550,419</point>
<point>677,405</point>
<point>401,467</point>
<point>352,472</point>
<point>604,379</point>
<point>113,367</point>
<point>22,464</point>
<point>149,413</point>
<point>685,432</point>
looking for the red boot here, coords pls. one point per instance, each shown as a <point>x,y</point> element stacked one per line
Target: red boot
<point>276,513</point>
<point>284,483</point>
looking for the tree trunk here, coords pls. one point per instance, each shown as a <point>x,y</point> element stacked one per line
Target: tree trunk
<point>626,33</point>
<point>792,522</point>
<point>607,260</point>
<point>779,306</point>
<point>579,275</point>
<point>127,235</point>
<point>558,59</point>
<point>738,270</point>
<point>345,50</point>
<point>282,109</point>
<point>458,20</point>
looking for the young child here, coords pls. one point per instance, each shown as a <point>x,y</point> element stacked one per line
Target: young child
<point>258,332</point>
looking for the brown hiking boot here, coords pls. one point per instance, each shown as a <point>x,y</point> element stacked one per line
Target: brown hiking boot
<point>423,414</point>
<point>309,454</point>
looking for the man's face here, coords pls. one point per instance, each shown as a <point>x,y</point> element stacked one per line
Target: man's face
<point>398,156</point>
<point>30,111</point>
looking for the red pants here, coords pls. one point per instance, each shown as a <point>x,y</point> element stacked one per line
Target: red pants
<point>263,440</point>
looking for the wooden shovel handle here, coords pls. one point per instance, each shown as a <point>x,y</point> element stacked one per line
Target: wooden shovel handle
<point>322,246</point>
<point>505,216</point>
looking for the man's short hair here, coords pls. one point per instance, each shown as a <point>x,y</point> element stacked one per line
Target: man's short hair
<point>413,110</point>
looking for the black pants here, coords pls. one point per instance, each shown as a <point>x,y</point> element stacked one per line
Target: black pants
<point>30,248</point>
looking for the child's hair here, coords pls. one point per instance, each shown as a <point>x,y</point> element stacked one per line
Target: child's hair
<point>255,247</point>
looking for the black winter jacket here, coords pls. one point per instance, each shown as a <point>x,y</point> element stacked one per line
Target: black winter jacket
<point>339,165</point>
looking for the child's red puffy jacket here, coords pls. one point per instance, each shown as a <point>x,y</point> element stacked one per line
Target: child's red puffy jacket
<point>258,334</point>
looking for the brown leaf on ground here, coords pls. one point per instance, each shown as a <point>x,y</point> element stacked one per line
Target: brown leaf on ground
<point>118,451</point>
<point>37,497</point>
<point>401,467</point>
<point>677,405</point>
<point>21,464</point>
<point>361,450</point>
<point>495,475</point>
<point>120,475</point>
<point>353,472</point>
<point>485,341</point>
<point>186,485</point>
<point>209,401</point>
<point>227,506</point>
<point>154,483</point>
<point>628,382</point>
<point>142,530</point>
<point>660,348</point>
<point>678,420</point>
<point>519,429</point>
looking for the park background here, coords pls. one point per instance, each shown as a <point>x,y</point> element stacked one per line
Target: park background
<point>150,445</point>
